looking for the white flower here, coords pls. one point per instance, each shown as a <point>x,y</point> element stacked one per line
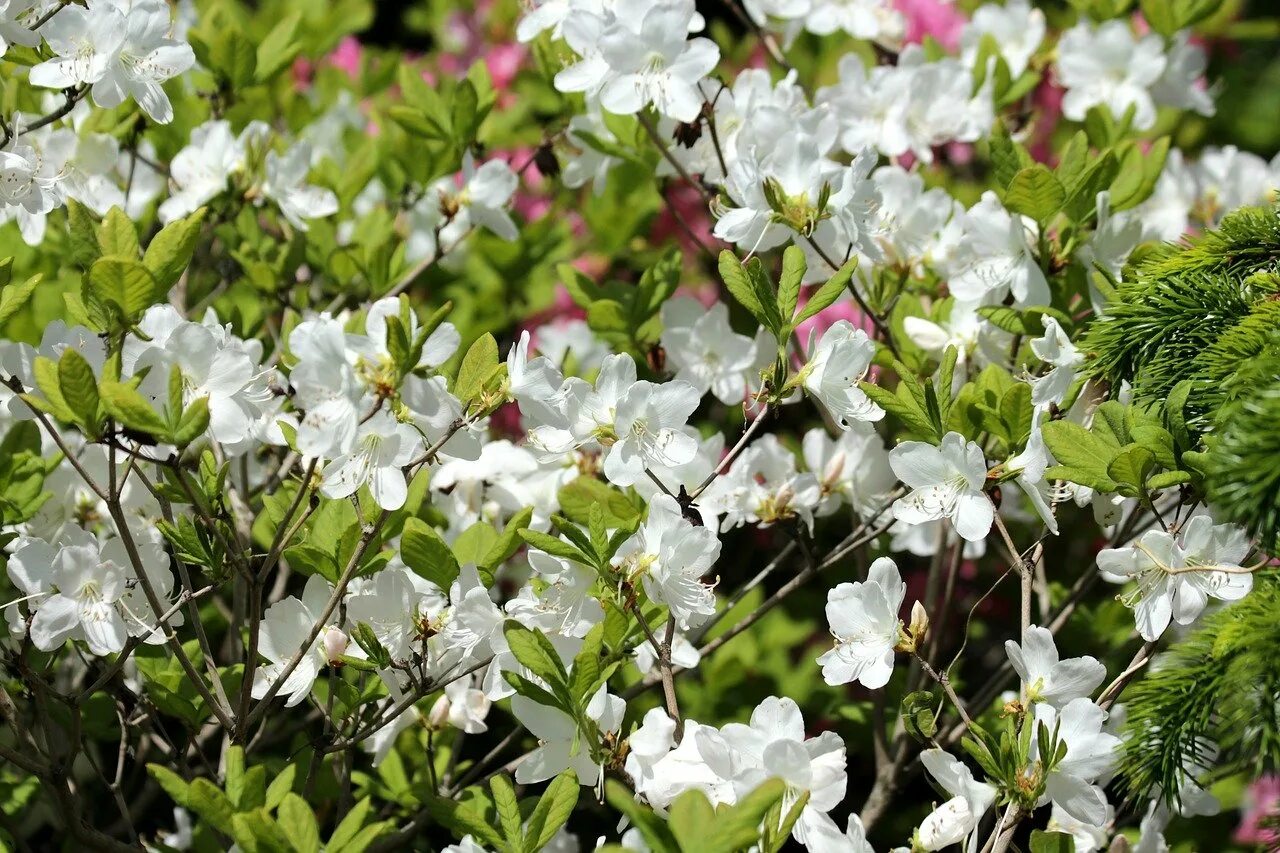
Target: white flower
<point>683,654</point>
<point>976,340</point>
<point>652,62</point>
<point>1176,575</point>
<point>948,824</point>
<point>836,365</point>
<point>1087,838</point>
<point>16,17</point>
<point>875,20</point>
<point>1045,677</point>
<point>78,593</point>
<point>826,837</point>
<point>853,468</point>
<point>382,448</point>
<point>28,183</point>
<point>959,816</point>
<point>997,257</point>
<point>762,486</point>
<point>1054,348</point>
<point>1179,86</point>
<point>1091,753</point>
<point>560,744</point>
<point>468,706</point>
<point>1017,28</point>
<point>1104,65</point>
<point>124,50</point>
<point>565,606</point>
<point>706,352</point>
<point>286,185</point>
<point>325,388</point>
<point>671,555</point>
<point>391,603</point>
<point>774,745</point>
<point>946,482</point>
<point>285,627</point>
<point>864,620</point>
<point>485,194</point>
<point>649,432</point>
<point>200,170</point>
<point>661,773</point>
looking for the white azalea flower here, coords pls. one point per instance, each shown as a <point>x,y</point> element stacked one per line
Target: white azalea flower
<point>671,555</point>
<point>382,448</point>
<point>1105,65</point>
<point>649,432</point>
<point>1176,575</point>
<point>1048,679</point>
<point>1091,753</point>
<point>286,185</point>
<point>836,365</point>
<point>864,621</point>
<point>946,482</point>
<point>561,745</point>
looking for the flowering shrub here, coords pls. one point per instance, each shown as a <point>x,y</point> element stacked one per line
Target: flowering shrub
<point>847,425</point>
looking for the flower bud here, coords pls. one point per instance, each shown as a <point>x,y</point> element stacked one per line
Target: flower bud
<point>335,644</point>
<point>439,714</point>
<point>919,622</point>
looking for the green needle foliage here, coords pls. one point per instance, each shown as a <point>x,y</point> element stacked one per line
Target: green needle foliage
<point>1217,687</point>
<point>1199,322</point>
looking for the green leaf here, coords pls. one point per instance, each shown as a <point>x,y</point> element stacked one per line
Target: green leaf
<point>552,811</point>
<point>193,423</point>
<point>124,282</point>
<point>206,800</point>
<point>1052,842</point>
<point>299,824</point>
<point>350,826</point>
<point>690,817</point>
<point>174,785</point>
<point>169,252</point>
<point>508,807</point>
<point>738,281</point>
<point>653,828</point>
<point>578,496</point>
<point>79,388</point>
<point>15,296</point>
<point>1083,457</point>
<point>1035,192</point>
<point>478,365</point>
<point>793,269</point>
<point>741,827</point>
<point>278,47</point>
<point>904,406</point>
<point>1130,468</point>
<point>83,235</point>
<point>426,554</point>
<point>126,405</point>
<point>280,785</point>
<point>829,292</point>
<point>553,545</point>
<point>508,540</point>
<point>532,649</point>
<point>1007,156</point>
<point>117,235</point>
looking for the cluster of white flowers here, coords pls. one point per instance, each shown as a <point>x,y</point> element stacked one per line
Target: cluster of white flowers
<point>360,399</point>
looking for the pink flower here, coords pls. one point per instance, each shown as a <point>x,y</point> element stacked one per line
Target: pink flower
<point>936,18</point>
<point>1262,801</point>
<point>347,56</point>
<point>503,62</point>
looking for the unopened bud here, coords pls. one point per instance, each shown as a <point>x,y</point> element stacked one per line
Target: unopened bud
<point>919,622</point>
<point>439,713</point>
<point>335,644</point>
